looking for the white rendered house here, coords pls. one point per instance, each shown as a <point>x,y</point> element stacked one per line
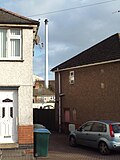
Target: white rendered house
<point>17,35</point>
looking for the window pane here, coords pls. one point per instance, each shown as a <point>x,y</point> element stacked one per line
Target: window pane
<point>99,127</point>
<point>67,115</point>
<point>74,115</point>
<point>15,47</point>
<point>11,112</point>
<point>116,128</point>
<point>3,33</point>
<point>3,112</point>
<point>87,126</point>
<point>15,32</point>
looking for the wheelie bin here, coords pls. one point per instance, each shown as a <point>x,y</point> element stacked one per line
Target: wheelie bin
<point>41,142</point>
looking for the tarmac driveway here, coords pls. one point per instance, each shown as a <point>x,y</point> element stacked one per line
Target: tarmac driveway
<point>59,149</point>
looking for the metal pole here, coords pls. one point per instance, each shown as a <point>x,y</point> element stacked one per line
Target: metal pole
<point>46,53</point>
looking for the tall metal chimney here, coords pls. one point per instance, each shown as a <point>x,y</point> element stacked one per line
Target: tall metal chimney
<point>46,53</point>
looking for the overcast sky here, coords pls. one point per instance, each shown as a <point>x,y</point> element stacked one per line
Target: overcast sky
<point>74,26</point>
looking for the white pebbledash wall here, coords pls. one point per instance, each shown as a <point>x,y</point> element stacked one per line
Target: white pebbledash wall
<point>16,73</point>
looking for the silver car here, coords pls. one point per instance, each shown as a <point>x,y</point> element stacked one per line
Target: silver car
<point>104,135</point>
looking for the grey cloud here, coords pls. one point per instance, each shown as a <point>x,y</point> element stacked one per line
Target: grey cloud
<point>70,32</point>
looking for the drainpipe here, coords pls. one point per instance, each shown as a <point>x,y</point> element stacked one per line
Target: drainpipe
<point>59,91</point>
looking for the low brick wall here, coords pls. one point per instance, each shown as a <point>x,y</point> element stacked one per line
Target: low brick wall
<point>25,134</point>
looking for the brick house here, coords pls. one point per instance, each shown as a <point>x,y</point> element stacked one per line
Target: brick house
<point>88,85</point>
<point>17,36</point>
<point>43,96</point>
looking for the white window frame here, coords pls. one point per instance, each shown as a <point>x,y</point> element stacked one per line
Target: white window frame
<point>9,36</point>
<point>71,77</point>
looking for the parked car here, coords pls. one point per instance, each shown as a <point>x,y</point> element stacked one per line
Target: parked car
<point>48,107</point>
<point>104,135</point>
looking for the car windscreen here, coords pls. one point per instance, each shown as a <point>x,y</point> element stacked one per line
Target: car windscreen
<point>116,128</point>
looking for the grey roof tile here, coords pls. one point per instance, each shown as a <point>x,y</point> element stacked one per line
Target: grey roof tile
<point>8,17</point>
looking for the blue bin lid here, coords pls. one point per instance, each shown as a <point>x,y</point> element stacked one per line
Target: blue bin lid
<point>41,130</point>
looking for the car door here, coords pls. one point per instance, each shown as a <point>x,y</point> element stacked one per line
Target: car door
<point>82,134</point>
<point>98,130</point>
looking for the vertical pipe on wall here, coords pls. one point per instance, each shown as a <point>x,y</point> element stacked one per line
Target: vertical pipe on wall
<point>46,53</point>
<point>59,85</point>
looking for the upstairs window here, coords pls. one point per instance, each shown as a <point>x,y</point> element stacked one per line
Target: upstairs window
<point>10,44</point>
<point>71,77</point>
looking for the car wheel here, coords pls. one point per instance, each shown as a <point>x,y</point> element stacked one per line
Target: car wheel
<point>72,141</point>
<point>103,148</point>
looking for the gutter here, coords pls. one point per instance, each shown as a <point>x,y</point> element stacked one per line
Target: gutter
<point>87,65</point>
<point>35,29</point>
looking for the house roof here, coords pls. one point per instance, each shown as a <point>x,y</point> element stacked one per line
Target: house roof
<point>42,92</point>
<point>42,84</point>
<point>36,78</point>
<point>8,17</point>
<point>106,50</point>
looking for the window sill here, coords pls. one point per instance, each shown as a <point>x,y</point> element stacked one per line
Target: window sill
<point>10,60</point>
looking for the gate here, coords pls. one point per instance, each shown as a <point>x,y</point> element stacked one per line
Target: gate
<point>45,117</point>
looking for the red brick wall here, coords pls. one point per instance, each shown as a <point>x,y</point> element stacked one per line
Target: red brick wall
<point>25,134</point>
<point>91,101</point>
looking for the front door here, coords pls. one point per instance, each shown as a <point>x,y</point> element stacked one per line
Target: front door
<point>8,116</point>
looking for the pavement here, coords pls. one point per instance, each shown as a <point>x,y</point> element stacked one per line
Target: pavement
<point>58,149</point>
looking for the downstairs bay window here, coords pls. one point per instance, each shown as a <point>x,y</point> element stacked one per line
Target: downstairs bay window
<point>10,44</point>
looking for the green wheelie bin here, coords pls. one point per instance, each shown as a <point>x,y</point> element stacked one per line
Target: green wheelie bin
<point>41,141</point>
